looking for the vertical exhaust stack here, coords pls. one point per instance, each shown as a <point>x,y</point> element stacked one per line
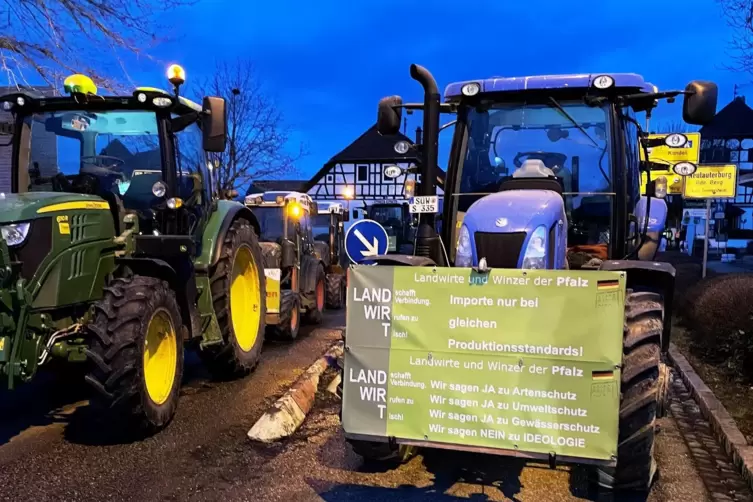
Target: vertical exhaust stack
<point>428,243</point>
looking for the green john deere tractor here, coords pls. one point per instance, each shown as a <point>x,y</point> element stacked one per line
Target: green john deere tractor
<point>295,273</point>
<point>115,251</point>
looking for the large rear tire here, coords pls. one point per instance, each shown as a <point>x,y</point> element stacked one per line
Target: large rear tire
<point>335,291</point>
<point>136,353</point>
<point>641,395</point>
<point>315,314</point>
<point>290,316</point>
<point>238,295</point>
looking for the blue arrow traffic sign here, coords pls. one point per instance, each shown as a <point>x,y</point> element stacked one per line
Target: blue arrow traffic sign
<point>365,238</point>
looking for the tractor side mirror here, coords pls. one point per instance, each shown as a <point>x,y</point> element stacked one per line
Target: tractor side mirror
<point>699,104</point>
<point>355,214</point>
<point>346,216</point>
<point>389,115</point>
<point>214,124</point>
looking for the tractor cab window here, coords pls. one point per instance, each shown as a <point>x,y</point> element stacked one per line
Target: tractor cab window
<point>390,217</point>
<point>101,153</point>
<point>306,229</point>
<point>271,223</point>
<point>503,136</point>
<point>320,226</point>
<point>193,174</point>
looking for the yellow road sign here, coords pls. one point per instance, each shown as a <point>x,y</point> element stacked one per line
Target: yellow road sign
<point>674,181</point>
<point>712,182</point>
<point>691,152</point>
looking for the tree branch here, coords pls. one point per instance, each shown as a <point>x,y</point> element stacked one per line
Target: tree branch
<point>258,138</point>
<point>56,37</point>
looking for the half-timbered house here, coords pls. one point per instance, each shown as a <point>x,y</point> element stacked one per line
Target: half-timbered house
<point>356,174</point>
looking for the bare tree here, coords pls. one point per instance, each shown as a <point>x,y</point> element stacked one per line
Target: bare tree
<point>739,16</point>
<point>671,126</point>
<point>257,134</point>
<point>55,37</point>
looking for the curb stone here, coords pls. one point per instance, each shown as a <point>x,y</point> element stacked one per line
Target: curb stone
<point>722,423</point>
<point>289,411</point>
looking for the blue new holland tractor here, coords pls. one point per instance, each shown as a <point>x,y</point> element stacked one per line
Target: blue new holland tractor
<point>545,173</point>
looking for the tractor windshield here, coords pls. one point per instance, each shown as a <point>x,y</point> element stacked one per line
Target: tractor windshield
<point>271,222</point>
<point>390,217</point>
<point>570,138</point>
<point>320,227</point>
<point>93,152</point>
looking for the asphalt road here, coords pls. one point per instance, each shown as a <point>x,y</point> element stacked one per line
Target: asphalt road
<point>49,450</point>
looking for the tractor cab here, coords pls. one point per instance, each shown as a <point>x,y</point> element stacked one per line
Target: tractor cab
<point>396,219</point>
<point>282,215</point>
<point>583,130</point>
<point>144,154</point>
<point>329,229</point>
<point>589,147</point>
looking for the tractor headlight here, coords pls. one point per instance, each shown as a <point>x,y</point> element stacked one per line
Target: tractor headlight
<point>463,251</point>
<point>535,255</point>
<point>16,233</point>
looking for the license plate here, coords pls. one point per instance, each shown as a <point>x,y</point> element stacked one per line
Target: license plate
<point>424,204</point>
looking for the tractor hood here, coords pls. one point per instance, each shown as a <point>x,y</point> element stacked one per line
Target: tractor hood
<point>514,211</point>
<point>30,205</point>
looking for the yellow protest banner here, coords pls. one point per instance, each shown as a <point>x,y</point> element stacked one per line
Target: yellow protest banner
<point>712,182</point>
<point>691,152</point>
<point>674,181</point>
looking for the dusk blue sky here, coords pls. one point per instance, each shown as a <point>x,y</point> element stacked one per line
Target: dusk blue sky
<point>328,62</point>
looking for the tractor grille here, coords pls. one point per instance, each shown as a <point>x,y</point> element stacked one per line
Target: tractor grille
<point>35,249</point>
<point>501,250</point>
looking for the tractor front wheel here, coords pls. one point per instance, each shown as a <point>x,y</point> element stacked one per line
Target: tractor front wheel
<point>642,395</point>
<point>335,291</point>
<point>314,314</point>
<point>290,316</point>
<point>136,352</point>
<point>382,452</point>
<point>239,293</point>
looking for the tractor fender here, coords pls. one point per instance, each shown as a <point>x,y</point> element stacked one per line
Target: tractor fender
<point>183,284</point>
<point>654,276</point>
<point>214,233</point>
<point>309,265</point>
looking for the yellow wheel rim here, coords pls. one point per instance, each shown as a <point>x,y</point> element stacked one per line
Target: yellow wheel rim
<point>245,299</point>
<point>160,356</point>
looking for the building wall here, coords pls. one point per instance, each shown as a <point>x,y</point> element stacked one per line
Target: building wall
<point>366,180</point>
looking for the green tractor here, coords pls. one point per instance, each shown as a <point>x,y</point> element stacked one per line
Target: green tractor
<point>116,252</point>
<point>295,274</point>
<point>329,242</point>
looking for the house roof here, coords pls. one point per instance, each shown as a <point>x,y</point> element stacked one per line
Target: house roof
<point>371,147</point>
<point>262,186</point>
<point>733,121</point>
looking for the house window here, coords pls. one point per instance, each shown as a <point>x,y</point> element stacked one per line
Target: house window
<point>330,178</point>
<point>362,175</point>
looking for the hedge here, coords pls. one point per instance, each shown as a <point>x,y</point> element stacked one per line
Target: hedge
<point>719,314</point>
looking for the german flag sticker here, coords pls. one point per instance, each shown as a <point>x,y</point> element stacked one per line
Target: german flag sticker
<point>602,375</point>
<point>607,285</point>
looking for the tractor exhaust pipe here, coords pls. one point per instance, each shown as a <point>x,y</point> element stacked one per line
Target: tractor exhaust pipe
<point>430,147</point>
<point>428,243</point>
